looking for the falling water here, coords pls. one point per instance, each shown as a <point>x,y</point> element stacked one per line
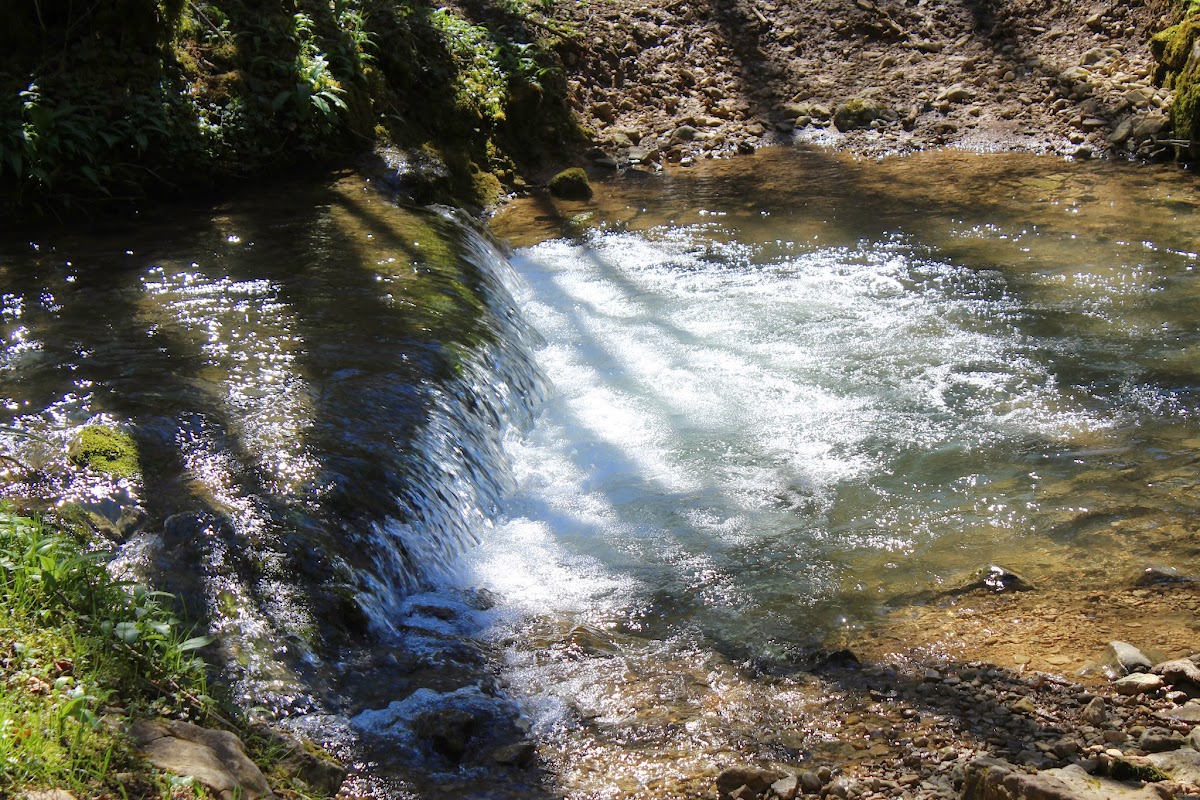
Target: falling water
<point>597,510</point>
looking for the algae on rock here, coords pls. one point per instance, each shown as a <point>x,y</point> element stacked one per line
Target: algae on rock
<point>1178,58</point>
<point>571,184</point>
<point>106,450</point>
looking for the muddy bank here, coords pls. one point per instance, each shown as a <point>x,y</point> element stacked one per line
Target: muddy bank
<point>674,80</point>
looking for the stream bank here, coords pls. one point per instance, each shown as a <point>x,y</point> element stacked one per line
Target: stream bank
<point>675,80</point>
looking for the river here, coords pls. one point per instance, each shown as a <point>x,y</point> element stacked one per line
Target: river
<point>618,494</point>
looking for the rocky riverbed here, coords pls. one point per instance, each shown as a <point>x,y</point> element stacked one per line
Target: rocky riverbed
<point>670,81</point>
<point>1009,694</point>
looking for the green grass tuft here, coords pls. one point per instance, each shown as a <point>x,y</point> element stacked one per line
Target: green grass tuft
<point>80,654</point>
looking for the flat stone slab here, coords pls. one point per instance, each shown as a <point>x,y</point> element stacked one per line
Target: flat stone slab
<point>993,779</point>
<point>214,758</point>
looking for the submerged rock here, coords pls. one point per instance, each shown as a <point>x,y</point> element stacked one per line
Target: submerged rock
<point>993,578</point>
<point>106,450</point>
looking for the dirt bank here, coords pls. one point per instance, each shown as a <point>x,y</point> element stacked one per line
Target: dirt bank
<point>661,81</point>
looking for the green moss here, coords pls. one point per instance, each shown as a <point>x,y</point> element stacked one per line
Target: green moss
<point>1185,111</point>
<point>1123,770</point>
<point>1172,46</point>
<point>571,184</point>
<point>487,188</point>
<point>1177,70</point>
<point>106,450</point>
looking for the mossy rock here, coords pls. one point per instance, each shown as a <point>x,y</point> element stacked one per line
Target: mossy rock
<point>1172,46</point>
<point>571,184</point>
<point>106,450</point>
<point>1126,770</point>
<point>1185,111</point>
<point>860,112</point>
<point>1179,69</point>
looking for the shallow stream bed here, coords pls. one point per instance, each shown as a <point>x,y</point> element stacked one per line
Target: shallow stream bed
<point>610,515</point>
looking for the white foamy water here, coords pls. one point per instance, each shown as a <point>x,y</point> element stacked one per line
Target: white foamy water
<point>729,424</point>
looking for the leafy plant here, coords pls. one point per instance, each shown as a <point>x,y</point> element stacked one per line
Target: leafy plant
<point>74,640</point>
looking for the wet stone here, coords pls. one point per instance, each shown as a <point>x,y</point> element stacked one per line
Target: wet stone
<point>753,779</point>
<point>1179,671</point>
<point>1129,658</point>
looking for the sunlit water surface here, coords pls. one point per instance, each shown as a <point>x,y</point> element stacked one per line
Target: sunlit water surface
<point>623,492</point>
<point>793,390</point>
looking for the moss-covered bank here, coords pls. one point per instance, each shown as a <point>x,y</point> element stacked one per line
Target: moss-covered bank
<point>1179,69</point>
<point>112,101</point>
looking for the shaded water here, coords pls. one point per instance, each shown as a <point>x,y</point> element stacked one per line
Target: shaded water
<point>624,496</point>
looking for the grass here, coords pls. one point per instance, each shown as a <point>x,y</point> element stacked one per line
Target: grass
<point>81,655</point>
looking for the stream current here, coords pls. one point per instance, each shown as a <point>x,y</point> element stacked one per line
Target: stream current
<point>614,496</point>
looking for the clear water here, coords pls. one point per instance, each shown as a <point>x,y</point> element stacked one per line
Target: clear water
<point>621,490</point>
<point>792,393</point>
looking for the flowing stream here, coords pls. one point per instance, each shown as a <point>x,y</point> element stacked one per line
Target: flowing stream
<point>614,497</point>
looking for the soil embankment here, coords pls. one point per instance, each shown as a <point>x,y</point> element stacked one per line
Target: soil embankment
<point>672,80</point>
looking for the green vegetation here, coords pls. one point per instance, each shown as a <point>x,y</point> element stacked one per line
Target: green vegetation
<point>104,102</point>
<point>106,450</point>
<point>82,655</point>
<point>571,184</point>
<point>1178,70</point>
<point>81,651</point>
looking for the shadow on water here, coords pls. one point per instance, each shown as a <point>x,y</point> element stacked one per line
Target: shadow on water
<point>392,430</point>
<point>874,203</point>
<point>385,321</point>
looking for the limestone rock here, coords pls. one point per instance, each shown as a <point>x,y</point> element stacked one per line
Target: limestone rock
<point>755,779</point>
<point>811,782</point>
<point>1129,658</point>
<point>1138,683</point>
<point>1182,765</point>
<point>956,94</point>
<point>1160,740</point>
<point>216,759</point>
<point>1186,713</point>
<point>994,779</point>
<point>1179,671</point>
<point>684,133</point>
<point>1094,713</point>
<point>786,788</point>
